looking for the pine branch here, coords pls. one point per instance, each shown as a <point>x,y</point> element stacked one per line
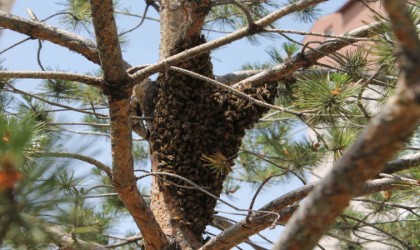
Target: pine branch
<point>53,75</point>
<point>43,31</point>
<point>302,60</point>
<point>234,36</point>
<point>366,157</point>
<point>63,239</point>
<point>237,76</point>
<point>283,205</point>
<point>13,89</point>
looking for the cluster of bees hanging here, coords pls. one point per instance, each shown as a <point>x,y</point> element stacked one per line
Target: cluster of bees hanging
<point>193,119</point>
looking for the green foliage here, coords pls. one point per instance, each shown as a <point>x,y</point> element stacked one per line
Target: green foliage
<point>97,121</point>
<point>25,186</point>
<point>354,63</point>
<point>59,90</point>
<point>141,153</point>
<point>92,96</point>
<point>5,98</point>
<point>340,139</point>
<point>36,108</point>
<point>327,97</point>
<point>406,230</point>
<point>306,15</point>
<point>77,16</point>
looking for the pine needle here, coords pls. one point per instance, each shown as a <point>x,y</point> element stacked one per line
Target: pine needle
<point>218,163</point>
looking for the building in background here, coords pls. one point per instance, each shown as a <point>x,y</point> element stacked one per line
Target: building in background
<point>6,5</point>
<point>352,15</point>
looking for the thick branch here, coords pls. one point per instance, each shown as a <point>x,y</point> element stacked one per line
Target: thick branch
<point>44,31</point>
<point>267,20</point>
<point>54,75</point>
<point>118,90</point>
<point>283,205</point>
<point>382,138</point>
<point>107,40</point>
<point>123,174</point>
<point>304,60</point>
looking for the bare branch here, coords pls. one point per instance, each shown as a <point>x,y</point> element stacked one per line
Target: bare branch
<point>141,74</point>
<point>304,60</point>
<point>40,30</point>
<point>400,178</point>
<point>90,80</point>
<point>283,205</point>
<point>84,158</point>
<point>366,157</point>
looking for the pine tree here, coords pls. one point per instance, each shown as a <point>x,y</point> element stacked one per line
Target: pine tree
<point>204,135</point>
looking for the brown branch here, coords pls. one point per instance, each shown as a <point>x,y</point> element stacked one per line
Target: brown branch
<point>90,80</point>
<point>383,137</point>
<point>43,31</point>
<point>118,89</point>
<point>304,60</point>
<point>223,223</point>
<point>283,205</point>
<point>241,33</point>
<point>402,164</point>
<point>237,76</point>
<point>107,41</point>
<point>61,238</point>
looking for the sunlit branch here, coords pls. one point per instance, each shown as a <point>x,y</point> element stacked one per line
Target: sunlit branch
<point>241,33</point>
<point>53,75</point>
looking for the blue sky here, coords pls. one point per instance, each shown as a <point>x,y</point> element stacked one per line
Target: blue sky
<point>143,48</point>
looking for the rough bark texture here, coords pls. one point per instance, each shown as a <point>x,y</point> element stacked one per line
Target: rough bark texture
<point>118,89</point>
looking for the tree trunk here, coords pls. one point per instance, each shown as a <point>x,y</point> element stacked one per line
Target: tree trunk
<point>192,121</point>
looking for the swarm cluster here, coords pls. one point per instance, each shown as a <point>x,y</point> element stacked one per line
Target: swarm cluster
<point>193,118</point>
